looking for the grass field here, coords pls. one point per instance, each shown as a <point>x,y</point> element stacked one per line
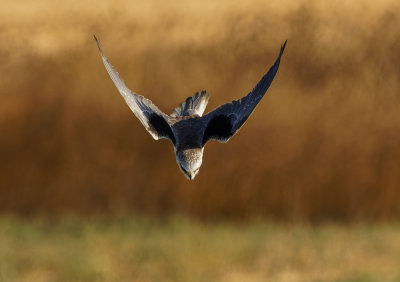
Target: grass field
<point>137,249</point>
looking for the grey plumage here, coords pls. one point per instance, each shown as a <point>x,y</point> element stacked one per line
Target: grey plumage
<point>185,127</point>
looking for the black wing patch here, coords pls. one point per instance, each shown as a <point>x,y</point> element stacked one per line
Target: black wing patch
<point>219,127</point>
<point>162,127</point>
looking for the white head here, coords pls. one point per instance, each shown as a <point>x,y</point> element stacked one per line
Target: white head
<point>189,161</point>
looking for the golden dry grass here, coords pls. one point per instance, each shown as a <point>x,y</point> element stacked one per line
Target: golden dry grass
<point>136,249</point>
<point>322,144</point>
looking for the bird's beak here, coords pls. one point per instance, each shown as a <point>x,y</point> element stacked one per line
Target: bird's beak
<point>191,175</point>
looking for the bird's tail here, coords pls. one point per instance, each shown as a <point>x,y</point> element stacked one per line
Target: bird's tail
<point>194,105</point>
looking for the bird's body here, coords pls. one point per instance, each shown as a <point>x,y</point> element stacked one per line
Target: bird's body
<point>186,127</point>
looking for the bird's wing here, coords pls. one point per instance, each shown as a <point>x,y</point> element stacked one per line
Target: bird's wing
<point>223,122</point>
<point>154,120</point>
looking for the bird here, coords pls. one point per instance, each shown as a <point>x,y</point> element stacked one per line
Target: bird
<point>186,127</point>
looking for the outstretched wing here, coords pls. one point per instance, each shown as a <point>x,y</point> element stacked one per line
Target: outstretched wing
<point>154,120</point>
<point>223,122</point>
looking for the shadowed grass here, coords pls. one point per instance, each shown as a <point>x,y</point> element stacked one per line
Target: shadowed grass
<point>136,249</point>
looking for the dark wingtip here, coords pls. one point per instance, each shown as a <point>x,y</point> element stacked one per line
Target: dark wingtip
<point>283,48</point>
<point>98,44</point>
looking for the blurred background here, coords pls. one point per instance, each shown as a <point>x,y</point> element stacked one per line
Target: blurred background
<point>321,148</point>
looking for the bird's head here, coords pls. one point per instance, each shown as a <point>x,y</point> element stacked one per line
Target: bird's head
<point>189,161</point>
